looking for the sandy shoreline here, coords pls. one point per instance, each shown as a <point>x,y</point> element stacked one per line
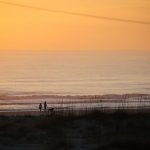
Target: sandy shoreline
<point>26,106</point>
<point>22,113</point>
<point>79,112</point>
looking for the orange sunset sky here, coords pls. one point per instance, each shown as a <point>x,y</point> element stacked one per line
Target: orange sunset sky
<point>27,29</point>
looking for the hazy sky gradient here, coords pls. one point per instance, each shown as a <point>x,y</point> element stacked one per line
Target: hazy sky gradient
<point>26,29</point>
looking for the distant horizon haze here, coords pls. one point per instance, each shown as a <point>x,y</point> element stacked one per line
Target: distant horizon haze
<point>75,73</point>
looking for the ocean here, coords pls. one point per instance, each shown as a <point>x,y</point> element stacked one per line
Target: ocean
<point>74,73</point>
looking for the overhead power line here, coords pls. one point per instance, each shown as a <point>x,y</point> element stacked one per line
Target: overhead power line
<point>75,13</point>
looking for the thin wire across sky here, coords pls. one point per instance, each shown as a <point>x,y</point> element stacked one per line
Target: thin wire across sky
<point>75,13</point>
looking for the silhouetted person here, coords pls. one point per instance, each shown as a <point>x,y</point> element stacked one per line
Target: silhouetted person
<point>40,107</point>
<point>45,106</point>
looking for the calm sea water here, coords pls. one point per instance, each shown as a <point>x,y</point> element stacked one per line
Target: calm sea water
<point>75,73</point>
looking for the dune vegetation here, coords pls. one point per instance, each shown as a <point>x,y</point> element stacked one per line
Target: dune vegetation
<point>94,130</point>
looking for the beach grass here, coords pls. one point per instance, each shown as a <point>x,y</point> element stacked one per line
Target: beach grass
<point>92,130</point>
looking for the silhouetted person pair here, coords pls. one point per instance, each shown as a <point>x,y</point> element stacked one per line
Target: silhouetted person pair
<point>45,106</point>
